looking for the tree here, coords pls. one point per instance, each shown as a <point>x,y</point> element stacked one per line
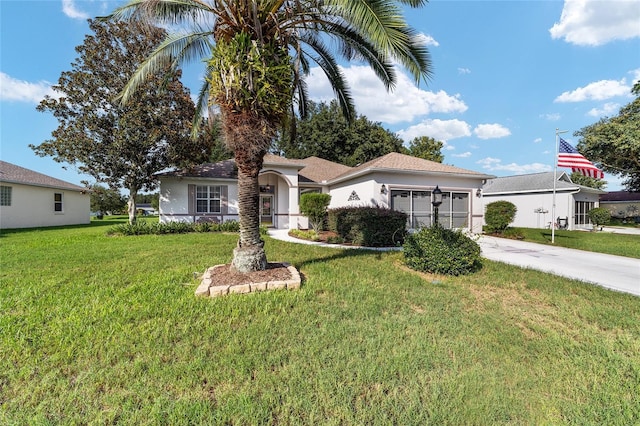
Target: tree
<point>580,179</point>
<point>122,145</point>
<point>259,53</point>
<point>427,148</point>
<point>614,143</point>
<point>104,200</point>
<point>314,206</point>
<point>325,133</point>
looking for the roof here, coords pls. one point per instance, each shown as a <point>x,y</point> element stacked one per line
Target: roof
<point>11,173</point>
<point>394,161</point>
<point>533,182</point>
<point>227,169</point>
<point>320,170</point>
<point>624,196</point>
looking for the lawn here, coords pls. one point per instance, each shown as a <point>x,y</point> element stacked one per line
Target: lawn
<point>104,330</point>
<point>601,242</point>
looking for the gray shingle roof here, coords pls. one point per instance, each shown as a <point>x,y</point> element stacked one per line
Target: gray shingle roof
<point>403,162</point>
<point>11,173</point>
<point>535,182</point>
<point>624,196</point>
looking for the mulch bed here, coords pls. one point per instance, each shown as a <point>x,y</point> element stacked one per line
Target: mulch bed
<point>226,275</point>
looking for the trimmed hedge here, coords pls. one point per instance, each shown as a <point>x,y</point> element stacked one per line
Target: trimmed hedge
<point>498,215</point>
<point>144,228</point>
<point>442,251</point>
<point>368,226</point>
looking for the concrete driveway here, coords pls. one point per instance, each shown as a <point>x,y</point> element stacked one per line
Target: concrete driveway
<point>612,272</point>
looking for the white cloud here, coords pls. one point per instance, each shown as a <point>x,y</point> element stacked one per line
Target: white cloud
<point>551,117</point>
<point>426,40</point>
<point>495,165</point>
<point>69,9</point>
<point>462,155</point>
<point>442,130</point>
<point>404,104</point>
<point>608,109</point>
<point>596,91</point>
<point>491,131</point>
<point>464,71</point>
<point>12,89</point>
<point>597,22</point>
<point>537,140</point>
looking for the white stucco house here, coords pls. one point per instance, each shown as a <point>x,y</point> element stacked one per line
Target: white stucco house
<point>30,199</point>
<point>209,192</point>
<point>532,194</point>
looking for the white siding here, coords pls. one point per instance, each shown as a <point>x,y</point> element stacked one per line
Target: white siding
<point>33,206</point>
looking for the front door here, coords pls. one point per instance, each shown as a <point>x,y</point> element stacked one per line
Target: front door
<point>266,210</point>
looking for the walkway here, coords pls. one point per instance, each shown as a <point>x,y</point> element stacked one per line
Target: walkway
<point>612,272</point>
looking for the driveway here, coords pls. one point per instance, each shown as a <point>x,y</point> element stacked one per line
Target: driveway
<point>612,272</point>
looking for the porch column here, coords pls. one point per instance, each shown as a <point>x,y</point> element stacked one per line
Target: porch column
<point>294,207</point>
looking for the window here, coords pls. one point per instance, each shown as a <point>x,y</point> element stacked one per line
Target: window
<point>452,213</point>
<point>5,195</point>
<point>208,199</point>
<point>416,204</point>
<point>581,210</point>
<point>57,202</point>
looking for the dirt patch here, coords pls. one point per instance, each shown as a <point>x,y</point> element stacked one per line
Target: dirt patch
<point>226,275</point>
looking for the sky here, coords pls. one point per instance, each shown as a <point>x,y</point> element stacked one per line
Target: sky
<point>506,75</point>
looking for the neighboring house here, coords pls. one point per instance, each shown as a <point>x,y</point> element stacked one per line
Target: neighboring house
<point>621,204</point>
<point>532,194</point>
<point>30,199</point>
<point>209,192</point>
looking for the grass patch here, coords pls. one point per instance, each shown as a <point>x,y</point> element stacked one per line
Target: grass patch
<point>103,330</point>
<point>600,242</point>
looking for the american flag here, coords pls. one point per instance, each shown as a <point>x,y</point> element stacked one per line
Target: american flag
<point>570,157</point>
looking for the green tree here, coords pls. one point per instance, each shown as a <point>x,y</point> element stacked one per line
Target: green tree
<point>122,145</point>
<point>325,133</point>
<point>427,148</point>
<point>614,143</point>
<point>580,179</point>
<point>314,206</point>
<point>103,200</point>
<point>258,55</point>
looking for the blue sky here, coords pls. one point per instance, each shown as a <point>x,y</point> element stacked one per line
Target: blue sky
<point>506,75</point>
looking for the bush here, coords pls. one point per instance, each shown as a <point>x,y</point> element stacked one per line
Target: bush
<point>143,228</point>
<point>368,226</point>
<point>498,215</point>
<point>442,251</point>
<point>314,206</point>
<point>599,216</point>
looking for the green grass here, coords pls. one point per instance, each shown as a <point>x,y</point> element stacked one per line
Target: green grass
<point>105,330</point>
<point>601,242</point>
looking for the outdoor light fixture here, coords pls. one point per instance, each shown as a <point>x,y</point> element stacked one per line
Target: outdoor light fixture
<point>478,192</point>
<point>383,189</point>
<point>436,201</point>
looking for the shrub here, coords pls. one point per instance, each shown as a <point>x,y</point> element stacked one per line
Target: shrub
<point>442,251</point>
<point>143,228</point>
<point>310,235</point>
<point>498,215</point>
<point>314,206</point>
<point>599,216</point>
<point>368,226</point>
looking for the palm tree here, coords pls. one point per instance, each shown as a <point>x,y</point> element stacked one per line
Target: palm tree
<point>258,53</point>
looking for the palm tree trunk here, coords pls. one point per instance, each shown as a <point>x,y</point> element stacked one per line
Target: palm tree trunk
<point>249,255</point>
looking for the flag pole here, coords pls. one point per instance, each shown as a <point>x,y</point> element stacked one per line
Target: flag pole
<point>555,179</point>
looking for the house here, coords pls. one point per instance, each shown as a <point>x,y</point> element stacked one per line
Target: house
<point>532,194</point>
<point>209,192</point>
<point>30,199</point>
<point>622,204</point>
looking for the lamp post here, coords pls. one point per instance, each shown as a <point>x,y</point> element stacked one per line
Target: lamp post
<point>436,201</point>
